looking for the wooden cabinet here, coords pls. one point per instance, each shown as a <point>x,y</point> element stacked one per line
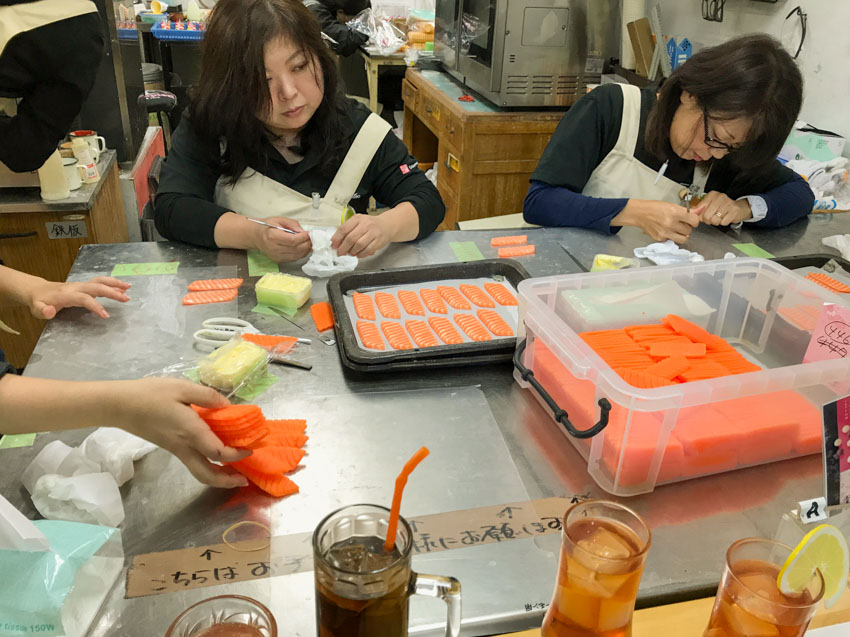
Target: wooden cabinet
<point>26,243</point>
<point>484,154</point>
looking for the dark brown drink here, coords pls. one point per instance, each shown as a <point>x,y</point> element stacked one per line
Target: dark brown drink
<point>376,604</point>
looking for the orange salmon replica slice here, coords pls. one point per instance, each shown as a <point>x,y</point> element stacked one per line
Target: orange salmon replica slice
<point>824,280</point>
<point>396,335</point>
<point>363,306</point>
<point>510,240</point>
<point>410,302</point>
<point>499,292</point>
<point>211,296</point>
<point>433,301</point>
<point>387,305</point>
<point>516,251</point>
<point>473,328</point>
<point>369,335</point>
<point>495,323</point>
<point>271,459</point>
<point>421,334</point>
<point>445,330</point>
<point>476,295</point>
<point>214,284</point>
<point>453,297</point>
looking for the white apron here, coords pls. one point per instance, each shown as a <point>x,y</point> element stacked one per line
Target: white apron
<point>622,176</point>
<point>19,18</point>
<point>255,195</point>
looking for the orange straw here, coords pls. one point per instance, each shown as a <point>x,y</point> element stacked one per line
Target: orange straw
<point>400,483</point>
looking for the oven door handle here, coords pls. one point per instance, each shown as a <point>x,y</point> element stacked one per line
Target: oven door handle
<point>18,235</point>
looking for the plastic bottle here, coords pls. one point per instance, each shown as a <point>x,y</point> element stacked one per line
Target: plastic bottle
<point>83,154</point>
<point>51,176</point>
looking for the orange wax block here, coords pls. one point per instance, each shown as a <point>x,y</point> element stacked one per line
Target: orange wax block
<point>511,240</point>
<point>629,455</point>
<point>702,369</point>
<point>824,280</point>
<point>689,329</point>
<point>665,349</point>
<point>323,316</point>
<point>212,296</point>
<point>576,397</point>
<point>769,423</point>
<point>669,368</point>
<point>214,284</point>
<point>279,344</point>
<point>705,432</point>
<point>642,379</point>
<point>515,251</point>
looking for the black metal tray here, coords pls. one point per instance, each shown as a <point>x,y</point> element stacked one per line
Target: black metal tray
<point>475,353</point>
<point>811,261</point>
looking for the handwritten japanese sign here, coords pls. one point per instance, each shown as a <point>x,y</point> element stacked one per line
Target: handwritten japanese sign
<point>196,567</point>
<point>140,269</point>
<point>831,338</point>
<point>66,229</point>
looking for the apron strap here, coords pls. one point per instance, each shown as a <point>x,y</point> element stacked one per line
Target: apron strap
<point>630,122</point>
<point>357,160</point>
<point>19,18</point>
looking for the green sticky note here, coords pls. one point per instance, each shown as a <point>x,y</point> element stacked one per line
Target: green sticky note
<point>20,440</point>
<point>466,251</point>
<point>259,264</point>
<point>262,308</point>
<point>145,269</point>
<point>752,250</point>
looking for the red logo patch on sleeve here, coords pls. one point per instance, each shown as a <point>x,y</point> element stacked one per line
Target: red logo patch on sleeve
<point>404,168</point>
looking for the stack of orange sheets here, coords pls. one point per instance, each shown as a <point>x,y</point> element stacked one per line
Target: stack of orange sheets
<point>276,444</point>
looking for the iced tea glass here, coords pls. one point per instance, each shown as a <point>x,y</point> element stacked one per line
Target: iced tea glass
<point>603,550</point>
<point>363,591</point>
<point>749,601</point>
<point>224,616</point>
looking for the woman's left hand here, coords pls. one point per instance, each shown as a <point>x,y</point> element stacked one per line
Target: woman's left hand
<point>717,209</point>
<point>361,236</point>
<point>46,298</point>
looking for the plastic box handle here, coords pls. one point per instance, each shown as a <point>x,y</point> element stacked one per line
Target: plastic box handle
<point>559,414</point>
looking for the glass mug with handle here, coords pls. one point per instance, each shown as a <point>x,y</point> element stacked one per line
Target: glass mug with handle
<point>364,591</point>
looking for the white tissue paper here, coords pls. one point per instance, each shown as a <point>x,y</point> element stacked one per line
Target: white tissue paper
<point>324,261</point>
<point>114,451</point>
<point>840,242</point>
<point>93,498</point>
<point>81,484</point>
<point>666,253</point>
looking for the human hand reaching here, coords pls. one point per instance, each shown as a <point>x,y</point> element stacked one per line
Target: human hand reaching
<point>47,298</point>
<point>282,246</point>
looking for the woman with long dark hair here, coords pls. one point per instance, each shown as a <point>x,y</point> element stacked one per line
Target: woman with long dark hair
<point>269,135</point>
<point>621,156</point>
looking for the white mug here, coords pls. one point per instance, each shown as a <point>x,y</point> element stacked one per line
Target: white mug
<point>95,142</point>
<point>72,174</point>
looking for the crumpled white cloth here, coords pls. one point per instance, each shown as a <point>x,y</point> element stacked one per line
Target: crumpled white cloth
<point>840,242</point>
<point>666,253</point>
<point>81,484</point>
<point>324,261</point>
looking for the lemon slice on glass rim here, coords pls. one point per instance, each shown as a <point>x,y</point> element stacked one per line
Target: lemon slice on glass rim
<point>825,549</point>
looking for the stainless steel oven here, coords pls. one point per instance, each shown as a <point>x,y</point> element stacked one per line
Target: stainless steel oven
<point>527,53</point>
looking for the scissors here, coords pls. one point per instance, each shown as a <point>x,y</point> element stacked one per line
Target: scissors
<point>217,331</point>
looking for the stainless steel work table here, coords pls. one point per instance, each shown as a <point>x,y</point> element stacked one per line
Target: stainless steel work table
<point>692,522</point>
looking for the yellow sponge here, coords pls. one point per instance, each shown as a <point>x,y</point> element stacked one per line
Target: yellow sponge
<point>232,364</point>
<point>283,290</point>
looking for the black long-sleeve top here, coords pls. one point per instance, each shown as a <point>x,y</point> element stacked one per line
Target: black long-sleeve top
<point>185,209</point>
<point>347,39</point>
<point>51,70</point>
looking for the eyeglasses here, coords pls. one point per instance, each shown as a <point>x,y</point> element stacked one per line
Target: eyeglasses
<point>715,143</point>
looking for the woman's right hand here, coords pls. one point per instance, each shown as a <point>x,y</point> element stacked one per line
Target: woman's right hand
<point>281,246</point>
<point>658,219</point>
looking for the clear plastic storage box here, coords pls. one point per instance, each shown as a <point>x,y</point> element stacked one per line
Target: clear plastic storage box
<point>681,431</point>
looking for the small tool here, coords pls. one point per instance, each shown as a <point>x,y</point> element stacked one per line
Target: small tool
<point>217,331</point>
<point>689,195</point>
<point>271,225</point>
<point>326,340</point>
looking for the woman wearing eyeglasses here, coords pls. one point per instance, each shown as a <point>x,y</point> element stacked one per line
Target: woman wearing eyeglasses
<point>621,155</point>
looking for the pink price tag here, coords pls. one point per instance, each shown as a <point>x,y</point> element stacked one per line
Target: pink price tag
<point>831,338</point>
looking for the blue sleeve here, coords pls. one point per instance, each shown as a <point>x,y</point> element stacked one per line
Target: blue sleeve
<point>547,205</point>
<point>786,203</point>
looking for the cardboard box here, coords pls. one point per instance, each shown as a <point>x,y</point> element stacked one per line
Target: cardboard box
<point>812,143</point>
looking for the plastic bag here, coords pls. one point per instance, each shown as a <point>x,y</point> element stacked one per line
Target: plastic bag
<point>385,36</point>
<point>59,591</point>
<point>324,261</point>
